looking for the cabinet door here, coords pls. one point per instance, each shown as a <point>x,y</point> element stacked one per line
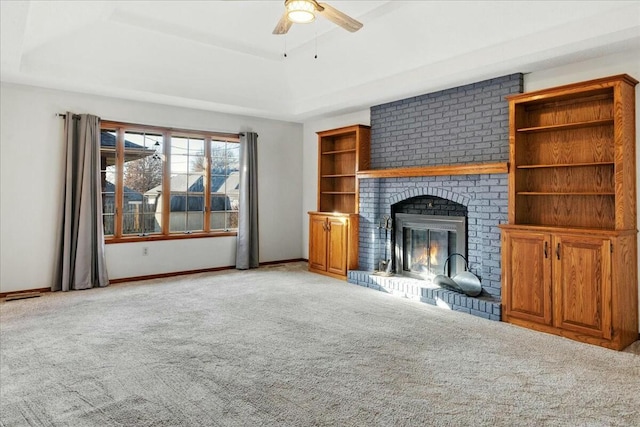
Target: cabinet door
<point>337,246</point>
<point>582,284</point>
<point>527,276</point>
<point>318,242</point>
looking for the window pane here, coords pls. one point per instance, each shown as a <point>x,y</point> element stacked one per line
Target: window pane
<point>188,164</point>
<point>224,220</point>
<point>142,182</point>
<point>140,218</point>
<point>178,209</point>
<point>187,155</point>
<point>232,220</point>
<point>224,184</point>
<point>150,222</point>
<point>131,223</point>
<point>108,221</point>
<point>108,179</point>
<point>218,221</point>
<point>187,203</point>
<point>233,153</point>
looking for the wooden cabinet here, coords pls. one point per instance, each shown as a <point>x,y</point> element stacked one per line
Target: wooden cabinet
<point>341,153</point>
<point>333,229</point>
<point>333,243</point>
<point>318,247</point>
<point>563,283</point>
<point>582,279</point>
<point>527,274</point>
<point>569,251</point>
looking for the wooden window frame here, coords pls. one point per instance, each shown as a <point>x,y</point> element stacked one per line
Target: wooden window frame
<point>167,132</point>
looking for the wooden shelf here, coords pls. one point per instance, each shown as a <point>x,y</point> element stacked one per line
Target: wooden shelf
<point>471,169</point>
<point>350,150</point>
<point>566,126</point>
<point>565,165</point>
<point>340,175</point>
<point>596,231</point>
<point>565,193</point>
<point>338,192</point>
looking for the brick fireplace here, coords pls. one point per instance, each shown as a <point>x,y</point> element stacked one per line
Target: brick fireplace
<point>460,126</point>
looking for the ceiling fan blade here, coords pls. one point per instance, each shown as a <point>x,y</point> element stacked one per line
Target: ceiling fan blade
<point>283,25</point>
<point>339,18</point>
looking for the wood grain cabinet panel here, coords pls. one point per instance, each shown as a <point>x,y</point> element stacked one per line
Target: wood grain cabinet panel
<point>527,267</point>
<point>317,235</point>
<point>569,252</point>
<point>582,279</point>
<point>337,245</point>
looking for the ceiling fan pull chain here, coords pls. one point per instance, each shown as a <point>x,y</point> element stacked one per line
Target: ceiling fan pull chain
<point>285,46</point>
<point>316,55</point>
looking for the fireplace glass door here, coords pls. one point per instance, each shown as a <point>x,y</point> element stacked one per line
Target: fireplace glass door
<point>427,250</point>
<point>423,244</point>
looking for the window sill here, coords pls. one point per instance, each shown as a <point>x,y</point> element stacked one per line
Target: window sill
<point>157,237</point>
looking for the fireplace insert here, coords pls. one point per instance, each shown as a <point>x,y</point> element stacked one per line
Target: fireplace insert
<point>423,243</point>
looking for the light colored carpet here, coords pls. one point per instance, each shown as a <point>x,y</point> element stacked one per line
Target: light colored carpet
<point>283,347</point>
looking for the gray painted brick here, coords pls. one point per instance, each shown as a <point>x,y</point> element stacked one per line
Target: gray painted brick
<point>458,125</point>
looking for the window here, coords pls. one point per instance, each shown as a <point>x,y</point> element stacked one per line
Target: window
<point>141,165</point>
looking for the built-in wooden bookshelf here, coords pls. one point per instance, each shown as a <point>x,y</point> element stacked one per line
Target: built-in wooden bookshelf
<point>333,229</point>
<point>569,251</point>
<point>342,153</point>
<point>563,155</point>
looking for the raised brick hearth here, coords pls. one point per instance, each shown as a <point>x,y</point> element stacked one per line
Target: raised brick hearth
<point>406,287</point>
<point>458,126</point>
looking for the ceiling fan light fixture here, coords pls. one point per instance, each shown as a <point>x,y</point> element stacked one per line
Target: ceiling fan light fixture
<point>300,11</point>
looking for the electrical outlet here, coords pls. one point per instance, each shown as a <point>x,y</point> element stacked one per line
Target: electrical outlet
<point>145,251</point>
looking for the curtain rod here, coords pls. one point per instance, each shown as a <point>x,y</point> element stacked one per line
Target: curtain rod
<point>64,116</point>
<point>75,116</point>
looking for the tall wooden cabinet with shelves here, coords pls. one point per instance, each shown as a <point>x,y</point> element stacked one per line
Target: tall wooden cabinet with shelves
<point>569,250</point>
<point>333,228</point>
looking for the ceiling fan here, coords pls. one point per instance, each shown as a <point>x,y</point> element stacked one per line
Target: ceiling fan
<point>303,11</point>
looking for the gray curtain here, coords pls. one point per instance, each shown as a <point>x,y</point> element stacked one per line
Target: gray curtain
<point>81,259</point>
<point>247,255</point>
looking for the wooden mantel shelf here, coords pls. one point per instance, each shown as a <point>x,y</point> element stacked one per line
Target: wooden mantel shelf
<point>469,169</point>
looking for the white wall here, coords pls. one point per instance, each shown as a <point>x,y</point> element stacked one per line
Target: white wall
<point>310,162</point>
<point>31,182</point>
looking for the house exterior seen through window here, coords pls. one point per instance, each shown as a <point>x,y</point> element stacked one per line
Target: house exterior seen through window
<point>160,183</point>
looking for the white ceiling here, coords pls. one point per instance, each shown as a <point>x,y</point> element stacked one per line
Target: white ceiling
<point>221,55</point>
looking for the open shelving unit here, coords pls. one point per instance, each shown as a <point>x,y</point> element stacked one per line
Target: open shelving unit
<point>342,153</point>
<point>564,160</point>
